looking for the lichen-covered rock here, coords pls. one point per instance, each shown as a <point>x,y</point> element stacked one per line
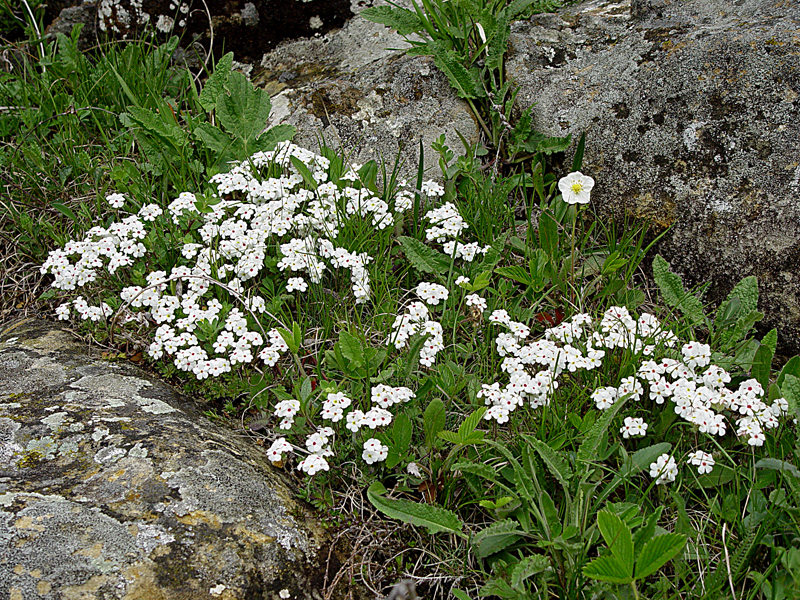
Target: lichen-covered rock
<point>111,486</point>
<point>362,96</point>
<point>692,114</point>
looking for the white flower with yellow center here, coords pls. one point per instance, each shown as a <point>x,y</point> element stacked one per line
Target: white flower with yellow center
<point>575,188</point>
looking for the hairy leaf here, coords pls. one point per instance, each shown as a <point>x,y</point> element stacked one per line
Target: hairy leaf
<point>424,258</point>
<point>434,518</point>
<point>458,75</point>
<point>674,294</point>
<point>216,83</point>
<point>496,537</point>
<point>657,552</point>
<point>618,538</point>
<point>402,20</point>
<point>528,567</point>
<point>608,568</point>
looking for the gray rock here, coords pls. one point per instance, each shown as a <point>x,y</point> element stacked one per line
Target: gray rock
<point>690,110</point>
<point>112,486</point>
<point>691,116</point>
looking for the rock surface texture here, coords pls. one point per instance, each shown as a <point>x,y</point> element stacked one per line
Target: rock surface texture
<point>111,487</point>
<point>691,110</point>
<point>692,115</point>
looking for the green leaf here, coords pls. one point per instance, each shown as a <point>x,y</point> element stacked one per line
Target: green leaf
<point>161,125</point>
<point>743,326</point>
<point>433,421</point>
<point>434,518</point>
<point>556,461</point>
<point>516,273</point>
<point>674,294</point>
<point>423,258</point>
<point>762,365</point>
<point>587,451</point>
<point>400,19</point>
<point>213,137</point>
<point>746,294</point>
<point>471,423</point>
<point>552,145</point>
<point>460,594</point>
<point>216,83</point>
<point>498,44</point>
<point>496,537</point>
<point>778,465</point>
<point>351,348</point>
<point>792,367</point>
<point>499,588</point>
<point>459,77</point>
<point>304,171</point>
<point>270,138</point>
<point>401,433</point>
<point>646,531</point>
<point>548,234</point>
<point>641,459</point>
<point>577,161</point>
<point>65,210</point>
<point>771,340</point>
<point>480,469</point>
<point>450,436</point>
<point>528,567</point>
<point>244,112</point>
<point>608,568</point>
<point>791,391</point>
<point>657,552</point>
<point>618,538</point>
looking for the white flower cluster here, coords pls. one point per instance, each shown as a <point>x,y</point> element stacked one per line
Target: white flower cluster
<point>695,387</point>
<point>241,228</point>
<point>334,406</point>
<point>416,319</point>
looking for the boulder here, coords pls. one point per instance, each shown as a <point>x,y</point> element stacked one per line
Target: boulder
<point>113,486</point>
<point>690,109</point>
<point>691,113</point>
<point>248,28</point>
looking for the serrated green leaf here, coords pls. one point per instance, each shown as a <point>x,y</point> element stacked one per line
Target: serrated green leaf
<point>587,451</point>
<point>267,141</point>
<point>216,83</point>
<point>555,461</point>
<point>516,273</point>
<point>499,588</point>
<point>771,340</point>
<point>498,43</point>
<point>527,568</point>
<point>657,552</point>
<point>646,531</point>
<point>244,111</point>
<point>496,537</point>
<point>450,436</point>
<point>608,568</point>
<point>424,258</point>
<point>472,421</point>
<point>479,469</point>
<point>213,137</point>
<point>791,391</point>
<point>351,348</point>
<point>552,145</point>
<point>435,519</point>
<point>458,75</point>
<point>641,459</point>
<point>674,294</point>
<point>402,20</point>
<point>618,538</point>
<point>160,125</point>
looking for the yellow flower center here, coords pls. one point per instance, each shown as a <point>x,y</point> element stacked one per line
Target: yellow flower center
<point>577,186</point>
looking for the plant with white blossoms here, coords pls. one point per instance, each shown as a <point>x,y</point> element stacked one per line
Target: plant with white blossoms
<point>696,389</point>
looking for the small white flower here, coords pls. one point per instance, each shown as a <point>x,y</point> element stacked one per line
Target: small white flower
<point>575,188</point>
<point>284,594</point>
<point>702,460</point>
<point>115,200</point>
<point>296,283</point>
<point>413,469</point>
<point>665,469</point>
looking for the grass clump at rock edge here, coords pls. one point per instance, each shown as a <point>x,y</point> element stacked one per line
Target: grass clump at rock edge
<point>475,358</point>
